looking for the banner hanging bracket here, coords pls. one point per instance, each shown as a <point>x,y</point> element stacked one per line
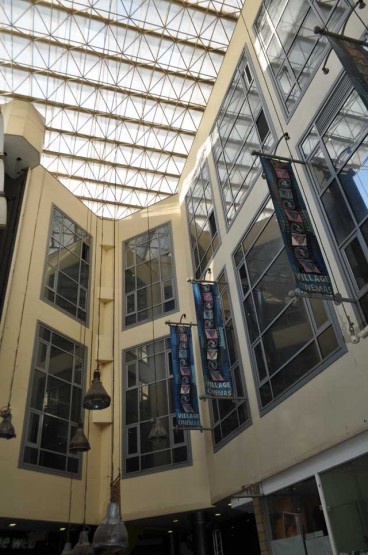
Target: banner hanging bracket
<point>275,157</point>
<point>193,428</point>
<point>222,398</point>
<point>337,298</point>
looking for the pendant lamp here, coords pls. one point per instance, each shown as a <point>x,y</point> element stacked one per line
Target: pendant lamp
<point>79,443</point>
<point>67,549</point>
<point>157,432</point>
<point>6,427</point>
<point>96,397</point>
<point>83,547</point>
<point>111,534</point>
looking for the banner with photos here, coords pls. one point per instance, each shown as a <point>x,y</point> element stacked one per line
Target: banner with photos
<point>301,244</point>
<point>354,59</point>
<point>185,390</point>
<point>212,340</point>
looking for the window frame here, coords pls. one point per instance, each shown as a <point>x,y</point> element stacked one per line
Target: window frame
<point>136,425</point>
<point>244,63</point>
<point>288,114</point>
<point>190,217</point>
<point>134,291</point>
<point>317,331</point>
<point>236,366</point>
<point>29,410</point>
<point>44,287</point>
<point>338,94</point>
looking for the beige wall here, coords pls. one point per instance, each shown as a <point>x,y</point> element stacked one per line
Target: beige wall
<point>326,411</point>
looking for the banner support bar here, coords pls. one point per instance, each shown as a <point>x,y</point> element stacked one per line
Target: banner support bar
<point>194,428</point>
<point>336,298</point>
<point>192,280</point>
<point>220,398</point>
<point>320,31</point>
<point>187,324</point>
<point>275,157</point>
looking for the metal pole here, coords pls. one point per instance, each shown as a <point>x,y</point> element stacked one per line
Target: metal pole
<point>222,398</point>
<point>320,31</point>
<point>200,533</point>
<point>275,157</point>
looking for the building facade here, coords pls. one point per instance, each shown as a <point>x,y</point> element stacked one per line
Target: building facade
<point>280,469</point>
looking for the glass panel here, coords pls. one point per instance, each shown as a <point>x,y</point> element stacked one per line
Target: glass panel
<point>337,212</point>
<point>153,400</point>
<point>327,342</point>
<point>132,464</point>
<point>148,445</point>
<point>38,390</point>
<point>286,336</point>
<point>51,460</point>
<point>132,441</point>
<point>34,420</point>
<point>161,458</point>
<point>353,178</point>
<point>54,434</point>
<point>180,454</point>
<point>131,406</point>
<point>58,398</point>
<point>289,375</point>
<point>61,364</point>
<point>319,312</point>
<point>264,250</point>
<point>358,262</point>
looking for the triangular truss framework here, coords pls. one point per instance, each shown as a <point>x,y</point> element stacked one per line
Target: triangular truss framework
<point>122,86</point>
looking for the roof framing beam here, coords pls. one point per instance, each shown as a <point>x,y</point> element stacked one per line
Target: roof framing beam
<point>113,202</point>
<point>136,28</point>
<point>63,105</point>
<point>60,175</point>
<point>110,88</point>
<point>109,164</point>
<point>117,143</point>
<point>104,56</point>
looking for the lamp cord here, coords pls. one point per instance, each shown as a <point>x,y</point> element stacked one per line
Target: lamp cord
<point>113,364</point>
<point>70,510</point>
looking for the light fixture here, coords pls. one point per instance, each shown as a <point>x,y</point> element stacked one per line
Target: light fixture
<point>79,442</point>
<point>169,531</point>
<point>176,520</point>
<point>67,549</point>
<point>111,534</point>
<point>217,514</point>
<point>83,547</point>
<point>96,397</point>
<point>62,529</point>
<point>6,427</point>
<point>157,431</point>
<point>12,524</point>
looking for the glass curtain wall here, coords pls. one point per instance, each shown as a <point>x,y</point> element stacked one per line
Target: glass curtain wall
<point>336,149</point>
<point>66,280</point>
<point>241,126</point>
<point>148,394</point>
<point>202,220</point>
<point>230,417</point>
<point>290,48</point>
<point>289,339</point>
<point>55,403</point>
<point>149,276</point>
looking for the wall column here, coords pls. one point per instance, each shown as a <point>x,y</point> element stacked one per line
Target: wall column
<point>261,526</point>
<point>200,533</point>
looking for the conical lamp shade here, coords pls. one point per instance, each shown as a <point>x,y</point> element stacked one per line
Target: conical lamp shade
<point>79,442</point>
<point>111,534</point>
<point>96,397</point>
<point>6,427</point>
<point>157,432</point>
<point>83,547</point>
<point>67,549</point>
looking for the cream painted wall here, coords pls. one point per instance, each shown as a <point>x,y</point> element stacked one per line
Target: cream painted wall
<point>326,411</point>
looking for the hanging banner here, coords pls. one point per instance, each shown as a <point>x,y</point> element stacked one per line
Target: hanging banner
<point>185,390</point>
<point>301,244</point>
<point>212,340</point>
<point>354,59</point>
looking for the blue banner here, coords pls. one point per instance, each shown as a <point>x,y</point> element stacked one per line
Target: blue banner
<point>215,365</point>
<point>185,390</point>
<point>301,244</point>
<point>354,59</point>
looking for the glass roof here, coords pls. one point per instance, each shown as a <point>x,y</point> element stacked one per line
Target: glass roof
<point>122,85</point>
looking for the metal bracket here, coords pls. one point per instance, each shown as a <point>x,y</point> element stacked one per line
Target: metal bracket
<point>336,298</point>
<point>220,398</point>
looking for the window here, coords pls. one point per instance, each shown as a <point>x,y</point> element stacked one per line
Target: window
<point>230,417</point>
<point>55,403</point>
<point>336,148</point>
<point>148,394</point>
<point>66,278</point>
<point>241,126</point>
<point>149,275</point>
<point>289,339</point>
<point>202,220</point>
<point>291,49</point>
